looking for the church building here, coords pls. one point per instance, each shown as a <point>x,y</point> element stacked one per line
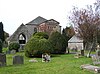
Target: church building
<point>39,24</point>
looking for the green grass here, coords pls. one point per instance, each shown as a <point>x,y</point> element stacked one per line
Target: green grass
<point>60,64</point>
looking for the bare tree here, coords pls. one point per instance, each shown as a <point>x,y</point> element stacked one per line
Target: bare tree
<point>87,24</point>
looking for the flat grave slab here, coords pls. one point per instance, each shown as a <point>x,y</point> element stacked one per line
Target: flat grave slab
<point>95,69</point>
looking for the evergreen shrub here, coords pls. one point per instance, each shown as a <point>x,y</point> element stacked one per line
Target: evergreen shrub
<point>14,46</point>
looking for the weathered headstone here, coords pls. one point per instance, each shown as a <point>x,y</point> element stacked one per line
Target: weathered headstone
<point>82,52</point>
<point>95,59</point>
<point>13,51</point>
<point>2,59</point>
<point>98,54</point>
<point>98,51</point>
<point>45,58</point>
<point>18,59</point>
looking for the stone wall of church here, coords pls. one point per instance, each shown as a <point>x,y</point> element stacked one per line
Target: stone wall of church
<point>21,30</point>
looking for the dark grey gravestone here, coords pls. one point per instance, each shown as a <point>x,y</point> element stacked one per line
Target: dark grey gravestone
<point>18,59</point>
<point>82,52</point>
<point>2,59</point>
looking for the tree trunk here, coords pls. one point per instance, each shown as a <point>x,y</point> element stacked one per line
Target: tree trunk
<point>90,49</point>
<point>93,46</point>
<point>88,46</point>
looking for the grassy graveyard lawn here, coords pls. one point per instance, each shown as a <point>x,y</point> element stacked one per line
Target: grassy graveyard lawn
<point>60,64</point>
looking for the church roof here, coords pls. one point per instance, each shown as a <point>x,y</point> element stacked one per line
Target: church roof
<point>75,39</point>
<point>37,21</point>
<point>52,21</point>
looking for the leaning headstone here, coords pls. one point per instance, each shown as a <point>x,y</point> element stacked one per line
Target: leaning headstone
<point>13,51</point>
<point>2,59</point>
<point>18,59</point>
<point>82,52</point>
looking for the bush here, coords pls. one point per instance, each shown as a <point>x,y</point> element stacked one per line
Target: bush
<point>41,35</point>
<point>45,46</point>
<point>36,47</point>
<point>4,50</point>
<point>57,40</point>
<point>14,46</point>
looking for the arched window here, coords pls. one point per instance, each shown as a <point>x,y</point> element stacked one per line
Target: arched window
<point>22,39</point>
<point>35,29</point>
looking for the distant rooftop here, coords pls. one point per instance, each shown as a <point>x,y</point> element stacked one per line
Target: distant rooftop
<point>75,39</point>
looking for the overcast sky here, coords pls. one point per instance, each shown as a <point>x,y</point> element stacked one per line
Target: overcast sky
<point>15,12</point>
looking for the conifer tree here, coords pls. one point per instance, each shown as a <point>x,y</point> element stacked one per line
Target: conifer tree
<point>1,36</point>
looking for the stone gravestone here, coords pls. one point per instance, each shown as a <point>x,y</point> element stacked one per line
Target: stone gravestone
<point>98,51</point>
<point>2,59</point>
<point>45,58</point>
<point>18,59</point>
<point>82,52</point>
<point>13,51</point>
